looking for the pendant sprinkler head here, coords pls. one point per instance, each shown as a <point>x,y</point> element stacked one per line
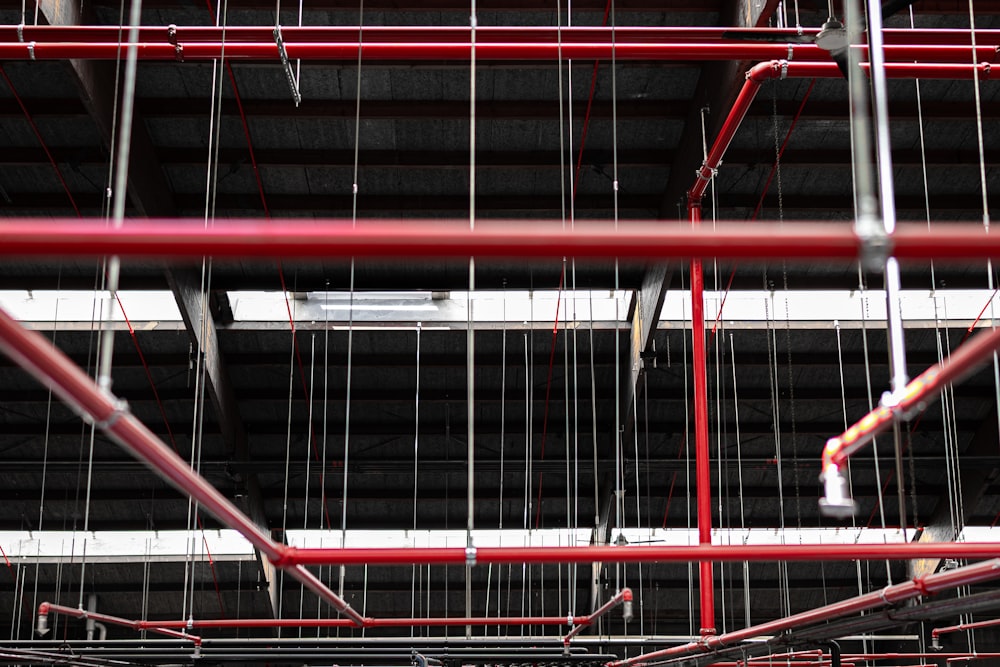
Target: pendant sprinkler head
<point>837,501</point>
<point>627,604</point>
<point>42,628</point>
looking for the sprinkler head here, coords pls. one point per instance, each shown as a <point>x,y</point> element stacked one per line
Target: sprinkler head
<point>837,501</point>
<point>43,625</point>
<point>627,610</point>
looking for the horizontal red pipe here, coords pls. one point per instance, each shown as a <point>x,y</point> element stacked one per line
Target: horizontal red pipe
<point>178,238</point>
<point>440,50</point>
<point>56,371</point>
<point>643,554</point>
<point>46,608</point>
<point>962,627</point>
<point>311,34</point>
<point>369,622</point>
<point>966,359</point>
<point>921,586</point>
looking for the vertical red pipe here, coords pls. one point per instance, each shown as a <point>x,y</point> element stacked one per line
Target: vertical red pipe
<point>706,584</point>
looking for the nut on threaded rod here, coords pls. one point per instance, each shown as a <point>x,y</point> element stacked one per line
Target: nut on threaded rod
<point>836,501</point>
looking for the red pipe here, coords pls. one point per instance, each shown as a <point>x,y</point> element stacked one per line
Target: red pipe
<point>703,481</point>
<point>486,34</point>
<point>177,238</point>
<point>45,608</point>
<point>439,50</point>
<point>370,622</point>
<point>961,627</point>
<point>53,369</point>
<point>913,398</point>
<point>920,586</point>
<point>642,554</point>
<point>623,596</point>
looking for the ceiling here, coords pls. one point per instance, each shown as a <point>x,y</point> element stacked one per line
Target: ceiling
<point>327,424</point>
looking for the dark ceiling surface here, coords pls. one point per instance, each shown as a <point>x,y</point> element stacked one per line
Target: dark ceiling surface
<point>550,396</point>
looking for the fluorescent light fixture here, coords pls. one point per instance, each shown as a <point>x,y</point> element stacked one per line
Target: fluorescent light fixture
<point>386,308</point>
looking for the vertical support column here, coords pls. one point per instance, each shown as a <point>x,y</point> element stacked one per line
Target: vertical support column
<point>703,480</point>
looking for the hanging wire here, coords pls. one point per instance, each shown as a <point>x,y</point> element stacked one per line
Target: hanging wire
<point>416,460</point>
<point>309,444</point>
<point>739,478</point>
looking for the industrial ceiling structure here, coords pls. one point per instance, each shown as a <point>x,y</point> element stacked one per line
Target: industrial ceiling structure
<point>499,333</point>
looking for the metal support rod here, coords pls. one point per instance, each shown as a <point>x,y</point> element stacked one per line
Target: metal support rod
<point>624,596</point>
<point>890,595</point>
<point>887,193</point>
<point>179,238</point>
<point>461,51</point>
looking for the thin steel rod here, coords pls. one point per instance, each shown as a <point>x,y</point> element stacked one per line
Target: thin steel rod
<point>905,54</point>
<point>179,238</point>
<point>920,586</point>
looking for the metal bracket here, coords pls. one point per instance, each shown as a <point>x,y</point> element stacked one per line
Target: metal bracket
<point>179,52</point>
<point>120,410</point>
<point>470,556</point>
<point>20,32</point>
<point>875,244</point>
<point>293,85</point>
<point>31,50</point>
<point>172,34</point>
<point>784,65</point>
<point>791,49</point>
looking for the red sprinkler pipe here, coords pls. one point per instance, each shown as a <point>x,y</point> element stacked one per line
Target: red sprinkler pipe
<point>641,554</point>
<point>293,237</point>
<point>623,596</point>
<point>703,480</point>
<point>890,595</point>
<point>961,627</point>
<point>46,608</point>
<point>496,51</point>
<point>371,622</point>
<point>902,405</point>
<point>54,370</point>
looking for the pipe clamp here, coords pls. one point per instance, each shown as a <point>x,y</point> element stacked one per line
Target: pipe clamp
<point>470,556</point>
